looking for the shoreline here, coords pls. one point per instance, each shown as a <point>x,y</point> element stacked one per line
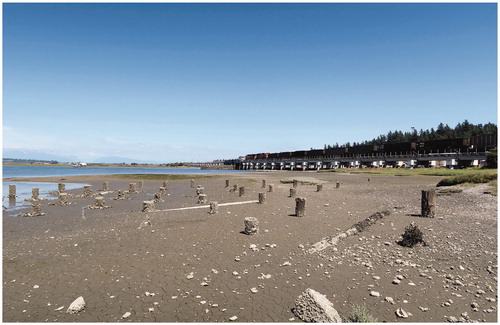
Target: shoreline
<point>190,266</point>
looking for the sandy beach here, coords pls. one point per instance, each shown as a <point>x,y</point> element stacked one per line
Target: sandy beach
<point>192,266</point>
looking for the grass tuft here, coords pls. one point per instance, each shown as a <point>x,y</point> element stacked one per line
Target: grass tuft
<point>360,314</point>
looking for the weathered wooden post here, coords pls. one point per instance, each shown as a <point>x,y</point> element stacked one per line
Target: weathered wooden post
<point>428,203</point>
<point>163,190</point>
<point>300,207</point>
<point>61,187</point>
<point>99,202</point>
<point>337,185</point>
<point>87,190</point>
<point>293,192</point>
<point>35,192</point>
<point>12,191</point>
<point>63,198</point>
<point>165,184</point>
<point>141,184</point>
<point>227,183</point>
<point>263,183</point>
<point>214,207</point>
<point>121,195</point>
<point>148,206</point>
<point>36,210</point>
<point>202,198</point>
<point>235,187</point>
<point>271,187</point>
<point>368,179</point>
<point>295,183</point>
<point>200,190</point>
<point>319,187</point>
<point>131,188</point>
<point>242,191</point>
<point>262,198</point>
<point>251,225</point>
<point>192,183</point>
<point>105,186</point>
<point>157,197</point>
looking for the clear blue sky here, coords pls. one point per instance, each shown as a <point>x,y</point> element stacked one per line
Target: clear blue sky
<point>197,82</point>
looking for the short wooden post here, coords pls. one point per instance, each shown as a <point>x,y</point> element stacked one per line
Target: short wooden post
<point>157,197</point>
<point>192,183</point>
<point>368,179</point>
<point>202,198</point>
<point>63,198</point>
<point>428,203</point>
<point>271,187</point>
<point>105,186</point>
<point>319,187</point>
<point>99,201</point>
<point>200,190</point>
<point>132,188</point>
<point>141,184</point>
<point>87,190</point>
<point>35,192</point>
<point>12,191</point>
<point>293,192</point>
<point>121,195</point>
<point>242,190</point>
<point>214,207</point>
<point>36,210</point>
<point>165,184</point>
<point>148,206</point>
<point>163,190</point>
<point>227,183</point>
<point>235,187</point>
<point>262,198</point>
<point>300,207</point>
<point>337,185</point>
<point>251,225</point>
<point>263,183</point>
<point>295,183</point>
<point>61,187</point>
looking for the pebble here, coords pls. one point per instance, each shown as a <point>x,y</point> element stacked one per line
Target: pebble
<point>401,313</point>
<point>190,276</point>
<point>374,294</point>
<point>254,290</point>
<point>390,300</point>
<point>127,314</point>
<point>233,318</point>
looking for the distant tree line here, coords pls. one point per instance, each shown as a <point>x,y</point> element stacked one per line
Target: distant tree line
<point>443,131</point>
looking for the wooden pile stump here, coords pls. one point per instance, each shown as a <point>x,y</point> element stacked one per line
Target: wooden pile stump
<point>227,183</point>
<point>242,191</point>
<point>293,192</point>
<point>271,187</point>
<point>61,187</point>
<point>202,198</point>
<point>148,206</point>
<point>121,195</point>
<point>251,225</point>
<point>87,191</point>
<point>263,183</point>
<point>300,207</point>
<point>295,183</point>
<point>428,203</point>
<point>12,191</point>
<point>319,187</point>
<point>262,198</point>
<point>214,207</point>
<point>132,188</point>
<point>105,186</point>
<point>36,211</point>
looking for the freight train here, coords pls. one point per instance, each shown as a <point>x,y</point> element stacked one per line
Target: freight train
<point>474,144</point>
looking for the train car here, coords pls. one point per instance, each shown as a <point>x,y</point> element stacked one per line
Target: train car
<point>263,155</point>
<point>251,156</point>
<point>301,154</point>
<point>400,148</point>
<point>275,155</point>
<point>316,153</point>
<point>447,145</point>
<point>483,142</point>
<point>363,150</point>
<point>335,151</point>
<point>285,155</point>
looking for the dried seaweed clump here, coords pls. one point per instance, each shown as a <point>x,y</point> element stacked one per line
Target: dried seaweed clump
<point>412,236</point>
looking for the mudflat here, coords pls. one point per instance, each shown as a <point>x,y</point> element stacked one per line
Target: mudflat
<point>192,266</point>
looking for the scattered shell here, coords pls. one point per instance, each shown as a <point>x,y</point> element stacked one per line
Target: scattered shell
<point>204,284</point>
<point>401,313</point>
<point>254,290</point>
<point>233,318</point>
<point>127,314</point>
<point>76,305</point>
<point>374,294</point>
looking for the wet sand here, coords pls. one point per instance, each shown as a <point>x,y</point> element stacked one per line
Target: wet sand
<point>190,266</point>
